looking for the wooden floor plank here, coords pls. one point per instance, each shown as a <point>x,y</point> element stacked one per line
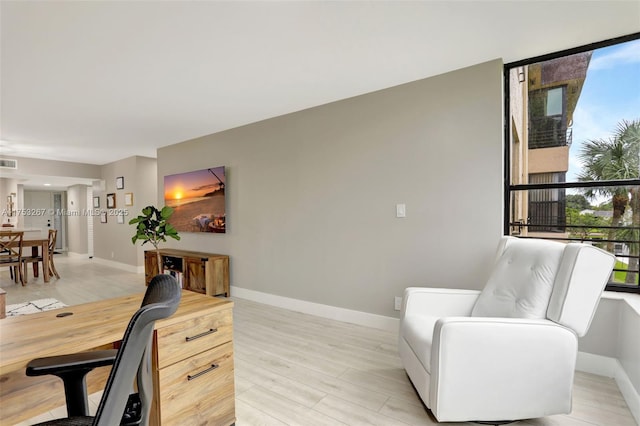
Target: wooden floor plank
<point>298,369</point>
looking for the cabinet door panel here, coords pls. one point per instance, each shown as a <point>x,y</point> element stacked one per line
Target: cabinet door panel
<point>196,275</point>
<point>218,273</point>
<point>199,390</point>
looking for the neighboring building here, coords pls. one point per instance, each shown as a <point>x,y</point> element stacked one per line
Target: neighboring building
<point>543,98</point>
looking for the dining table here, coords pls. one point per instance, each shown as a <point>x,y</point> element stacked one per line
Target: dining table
<point>37,244</point>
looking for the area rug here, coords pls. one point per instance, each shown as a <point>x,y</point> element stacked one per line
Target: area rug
<point>34,306</point>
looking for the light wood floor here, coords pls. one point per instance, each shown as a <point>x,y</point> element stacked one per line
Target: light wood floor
<point>297,369</point>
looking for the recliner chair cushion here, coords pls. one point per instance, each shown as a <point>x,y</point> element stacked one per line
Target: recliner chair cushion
<point>522,280</point>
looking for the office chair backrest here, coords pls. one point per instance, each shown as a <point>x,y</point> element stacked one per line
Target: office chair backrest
<point>160,301</point>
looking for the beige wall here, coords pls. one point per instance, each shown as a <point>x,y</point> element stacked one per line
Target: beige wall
<point>34,166</point>
<point>112,240</point>
<point>40,167</point>
<point>77,237</point>
<point>7,188</point>
<point>311,195</point>
<point>548,160</point>
<point>146,194</point>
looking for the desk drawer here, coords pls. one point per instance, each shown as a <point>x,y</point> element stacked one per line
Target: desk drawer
<point>187,338</point>
<point>199,390</point>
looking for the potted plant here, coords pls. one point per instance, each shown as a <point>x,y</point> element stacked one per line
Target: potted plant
<point>153,227</point>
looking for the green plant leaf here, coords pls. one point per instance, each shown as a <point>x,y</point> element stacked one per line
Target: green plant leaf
<point>166,212</point>
<point>152,226</point>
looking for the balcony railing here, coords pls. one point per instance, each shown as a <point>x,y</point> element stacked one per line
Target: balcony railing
<point>626,273</point>
<point>547,216</point>
<point>548,132</point>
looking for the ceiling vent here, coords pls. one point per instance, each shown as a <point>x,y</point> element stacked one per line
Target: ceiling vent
<point>6,163</point>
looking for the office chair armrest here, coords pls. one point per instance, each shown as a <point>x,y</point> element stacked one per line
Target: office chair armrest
<point>72,369</point>
<point>70,362</point>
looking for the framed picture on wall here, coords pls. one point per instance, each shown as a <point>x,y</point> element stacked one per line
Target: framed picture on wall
<point>111,200</point>
<point>103,217</point>
<point>198,200</point>
<point>120,182</point>
<point>128,199</point>
<point>96,202</point>
<point>120,218</point>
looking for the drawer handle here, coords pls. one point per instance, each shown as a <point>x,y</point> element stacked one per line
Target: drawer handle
<point>203,372</point>
<point>197,336</point>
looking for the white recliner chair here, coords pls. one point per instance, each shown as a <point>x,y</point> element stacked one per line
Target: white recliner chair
<point>507,352</point>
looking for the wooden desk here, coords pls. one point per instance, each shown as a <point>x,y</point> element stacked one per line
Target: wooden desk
<point>99,325</point>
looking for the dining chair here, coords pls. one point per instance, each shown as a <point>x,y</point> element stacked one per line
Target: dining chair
<point>11,253</point>
<point>51,245</point>
<point>9,225</point>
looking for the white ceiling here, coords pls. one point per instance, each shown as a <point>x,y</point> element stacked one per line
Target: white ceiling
<point>98,81</point>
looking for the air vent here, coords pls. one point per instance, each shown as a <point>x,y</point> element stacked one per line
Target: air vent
<point>6,163</point>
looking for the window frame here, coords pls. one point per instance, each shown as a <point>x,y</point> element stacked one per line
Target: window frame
<point>508,187</point>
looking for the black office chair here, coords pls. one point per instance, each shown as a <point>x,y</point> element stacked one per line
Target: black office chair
<point>118,405</point>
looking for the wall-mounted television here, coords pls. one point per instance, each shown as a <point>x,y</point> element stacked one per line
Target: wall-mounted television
<point>197,199</point>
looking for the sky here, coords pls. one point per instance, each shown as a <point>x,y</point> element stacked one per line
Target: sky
<point>611,92</point>
<point>193,184</point>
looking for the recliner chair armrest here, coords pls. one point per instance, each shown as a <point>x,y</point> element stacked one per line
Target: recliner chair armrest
<point>438,302</point>
<point>493,366</point>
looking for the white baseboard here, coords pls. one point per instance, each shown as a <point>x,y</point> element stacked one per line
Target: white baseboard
<point>77,255</point>
<point>597,364</point>
<point>120,265</point>
<point>611,367</point>
<point>325,311</point>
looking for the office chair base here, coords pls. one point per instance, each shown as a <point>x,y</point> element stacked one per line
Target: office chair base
<point>133,411</point>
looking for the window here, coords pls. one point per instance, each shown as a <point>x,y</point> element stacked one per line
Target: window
<point>572,151</point>
<point>547,118</point>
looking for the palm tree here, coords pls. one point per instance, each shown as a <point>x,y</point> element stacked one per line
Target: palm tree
<point>610,159</point>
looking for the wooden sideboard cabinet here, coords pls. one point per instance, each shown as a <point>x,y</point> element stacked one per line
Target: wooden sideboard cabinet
<point>205,273</point>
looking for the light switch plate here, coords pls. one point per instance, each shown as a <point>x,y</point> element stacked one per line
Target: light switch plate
<point>401,210</point>
<point>397,303</point>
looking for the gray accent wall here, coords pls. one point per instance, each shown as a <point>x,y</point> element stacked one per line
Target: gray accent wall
<point>311,196</point>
